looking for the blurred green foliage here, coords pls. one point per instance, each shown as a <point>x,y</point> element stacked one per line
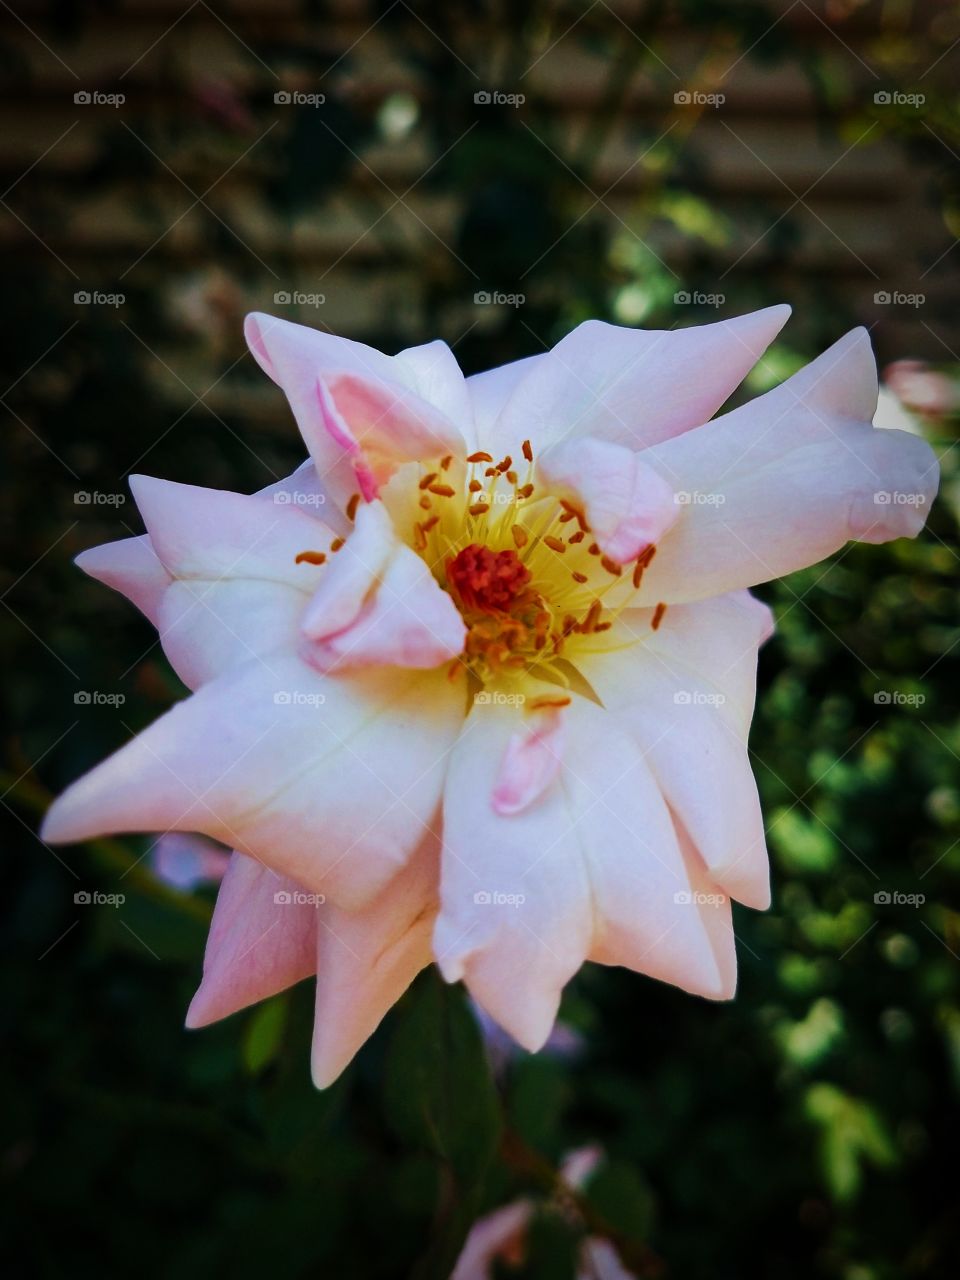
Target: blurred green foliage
<point>807,1129</point>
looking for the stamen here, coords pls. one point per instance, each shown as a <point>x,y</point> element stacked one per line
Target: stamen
<point>611,566</point>
<point>505,464</point>
<point>479,508</point>
<point>336,544</point>
<point>576,537</point>
<point>426,503</point>
<point>554,544</point>
<point>525,491</point>
<point>658,613</point>
<point>311,557</point>
<point>593,549</point>
<point>445,462</point>
<point>441,490</point>
<point>428,479</point>
<point>511,477</point>
<point>520,536</point>
<point>352,506</point>
<point>580,577</point>
<point>480,456</point>
<point>475,486</point>
<point>527,451</point>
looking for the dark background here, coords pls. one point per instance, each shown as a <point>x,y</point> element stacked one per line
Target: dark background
<point>810,1127</point>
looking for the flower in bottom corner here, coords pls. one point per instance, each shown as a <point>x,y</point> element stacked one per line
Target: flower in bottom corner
<point>473,686</point>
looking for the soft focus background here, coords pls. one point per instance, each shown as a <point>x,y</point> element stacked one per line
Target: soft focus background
<point>490,173</point>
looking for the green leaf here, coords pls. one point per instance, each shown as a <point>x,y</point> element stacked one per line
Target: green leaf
<point>264,1034</point>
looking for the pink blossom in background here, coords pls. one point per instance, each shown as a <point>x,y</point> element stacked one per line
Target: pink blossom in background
<point>474,684</point>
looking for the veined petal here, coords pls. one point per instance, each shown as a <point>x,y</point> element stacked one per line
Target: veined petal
<point>381,425</point>
<point>788,479</point>
<point>330,780</point>
<point>366,959</point>
<point>262,940</point>
<point>132,567</point>
<point>626,503</point>
<point>632,386</point>
<point>593,866</point>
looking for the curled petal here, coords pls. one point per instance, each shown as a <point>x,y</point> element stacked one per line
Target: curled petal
<point>530,763</point>
<point>381,425</point>
<point>409,621</point>
<point>626,503</point>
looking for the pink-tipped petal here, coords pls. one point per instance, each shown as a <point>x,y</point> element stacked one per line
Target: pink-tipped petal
<point>632,386</point>
<point>132,567</point>
<point>787,480</point>
<point>329,780</point>
<point>592,868</point>
<point>685,693</point>
<point>627,504</point>
<point>366,959</point>
<point>262,940</point>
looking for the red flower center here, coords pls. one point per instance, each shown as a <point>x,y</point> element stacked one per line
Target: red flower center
<point>485,580</point>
